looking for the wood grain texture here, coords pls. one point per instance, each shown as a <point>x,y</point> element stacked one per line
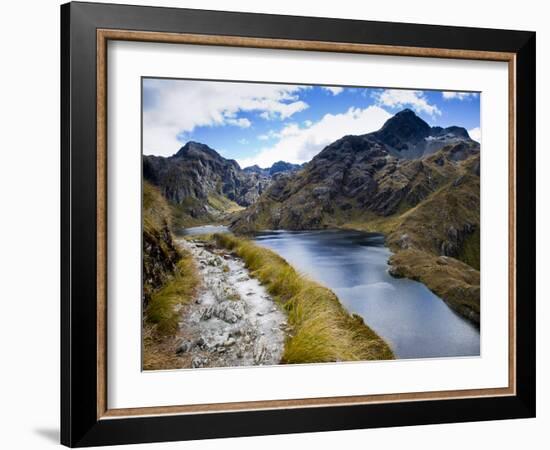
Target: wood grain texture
<point>103,35</point>
<point>307,402</point>
<point>101,225</point>
<point>286,44</point>
<point>512,198</point>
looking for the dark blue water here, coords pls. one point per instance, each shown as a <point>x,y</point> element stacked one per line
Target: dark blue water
<point>414,321</point>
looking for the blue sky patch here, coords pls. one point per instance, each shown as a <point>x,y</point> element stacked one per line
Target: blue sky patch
<point>257,123</point>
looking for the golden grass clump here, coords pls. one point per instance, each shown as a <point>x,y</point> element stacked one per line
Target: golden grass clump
<point>454,281</point>
<point>160,319</point>
<point>161,309</point>
<point>322,330</point>
<point>156,212</point>
<point>159,351</point>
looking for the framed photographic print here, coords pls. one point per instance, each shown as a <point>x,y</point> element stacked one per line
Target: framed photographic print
<point>276,224</point>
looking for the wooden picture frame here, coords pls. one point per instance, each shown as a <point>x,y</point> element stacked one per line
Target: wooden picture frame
<point>85,416</point>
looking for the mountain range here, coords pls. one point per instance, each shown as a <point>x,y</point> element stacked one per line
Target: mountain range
<point>417,184</point>
<point>364,177</point>
<point>278,167</point>
<point>202,186</point>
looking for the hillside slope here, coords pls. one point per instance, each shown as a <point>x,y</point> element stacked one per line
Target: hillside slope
<point>201,186</point>
<point>437,242</point>
<point>160,254</point>
<point>427,206</point>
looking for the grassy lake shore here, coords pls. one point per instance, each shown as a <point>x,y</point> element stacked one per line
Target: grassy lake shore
<point>410,237</point>
<point>322,330</point>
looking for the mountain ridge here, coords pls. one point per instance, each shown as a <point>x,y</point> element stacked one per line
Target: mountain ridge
<point>408,136</point>
<point>202,186</point>
<point>417,184</point>
<point>275,168</point>
<point>427,206</point>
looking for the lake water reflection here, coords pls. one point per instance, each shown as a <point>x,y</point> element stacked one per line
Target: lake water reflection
<point>412,319</point>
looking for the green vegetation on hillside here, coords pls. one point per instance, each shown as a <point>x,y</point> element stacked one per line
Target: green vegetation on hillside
<point>446,221</point>
<point>169,280</point>
<point>193,212</point>
<point>202,186</point>
<point>156,212</point>
<point>470,250</point>
<point>322,330</point>
<point>160,254</point>
<point>452,280</point>
<point>426,208</point>
<point>160,321</point>
<point>179,290</point>
<point>223,205</point>
<point>181,218</point>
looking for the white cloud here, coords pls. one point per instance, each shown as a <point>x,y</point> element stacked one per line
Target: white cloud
<point>475,134</point>
<point>450,95</point>
<point>400,98</point>
<point>173,107</point>
<point>269,135</point>
<point>307,123</point>
<point>242,122</point>
<point>292,129</point>
<point>243,141</point>
<point>282,110</point>
<point>298,145</point>
<point>334,90</point>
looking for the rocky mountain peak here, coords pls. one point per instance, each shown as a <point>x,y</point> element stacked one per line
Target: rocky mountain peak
<point>407,136</point>
<point>404,126</point>
<point>255,169</point>
<point>277,167</point>
<point>283,166</point>
<point>196,149</point>
<point>453,131</point>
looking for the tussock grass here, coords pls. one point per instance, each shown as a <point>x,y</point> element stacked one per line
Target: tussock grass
<point>159,352</point>
<point>160,321</point>
<point>454,281</point>
<point>470,252</point>
<point>160,254</point>
<point>182,215</point>
<point>191,211</point>
<point>223,204</point>
<point>156,212</point>
<point>322,330</point>
<point>161,309</point>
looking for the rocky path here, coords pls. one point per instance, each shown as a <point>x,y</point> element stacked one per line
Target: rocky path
<point>234,321</point>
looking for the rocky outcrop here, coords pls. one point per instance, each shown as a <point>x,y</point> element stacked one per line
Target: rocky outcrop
<point>278,167</point>
<point>283,167</point>
<point>195,171</point>
<point>253,185</point>
<point>159,260</point>
<point>256,169</point>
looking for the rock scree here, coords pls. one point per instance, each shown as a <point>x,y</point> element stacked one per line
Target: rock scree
<point>233,320</point>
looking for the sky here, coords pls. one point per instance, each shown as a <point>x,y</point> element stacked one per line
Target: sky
<point>258,123</point>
